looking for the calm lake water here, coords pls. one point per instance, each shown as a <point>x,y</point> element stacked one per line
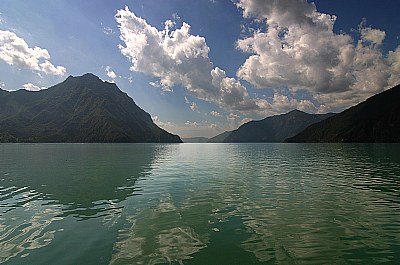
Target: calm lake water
<point>199,204</point>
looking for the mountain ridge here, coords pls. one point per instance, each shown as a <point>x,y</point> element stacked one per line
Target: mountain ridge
<point>275,128</point>
<point>79,109</point>
<point>376,119</point>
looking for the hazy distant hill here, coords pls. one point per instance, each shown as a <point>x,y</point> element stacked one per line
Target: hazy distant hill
<point>375,120</point>
<point>195,140</point>
<point>80,109</point>
<point>219,138</point>
<point>275,128</point>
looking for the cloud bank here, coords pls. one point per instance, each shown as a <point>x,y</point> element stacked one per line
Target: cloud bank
<point>15,51</point>
<point>177,57</point>
<point>294,52</point>
<point>32,87</point>
<point>300,50</point>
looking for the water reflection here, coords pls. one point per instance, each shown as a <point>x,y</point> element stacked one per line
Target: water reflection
<point>281,203</point>
<point>43,186</point>
<point>200,204</point>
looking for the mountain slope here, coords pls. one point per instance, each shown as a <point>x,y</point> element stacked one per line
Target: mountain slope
<point>275,128</point>
<point>80,109</point>
<point>375,120</point>
<point>219,138</point>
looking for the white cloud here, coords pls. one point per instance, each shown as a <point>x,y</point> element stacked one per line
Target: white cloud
<point>177,57</point>
<point>394,62</point>
<point>245,120</point>
<point>370,35</point>
<point>161,124</point>
<point>15,51</point>
<point>108,31</point>
<point>110,73</point>
<point>32,87</point>
<point>192,124</point>
<point>232,117</point>
<point>299,50</point>
<point>2,20</point>
<point>215,114</point>
<point>190,128</point>
<point>282,103</point>
<point>232,93</point>
<point>193,106</point>
<point>49,69</point>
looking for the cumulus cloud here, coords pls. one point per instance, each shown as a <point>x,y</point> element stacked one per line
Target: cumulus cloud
<point>192,124</point>
<point>282,103</point>
<point>394,62</point>
<point>232,117</point>
<point>108,31</point>
<point>49,69</point>
<point>193,106</point>
<point>110,73</point>
<point>15,51</point>
<point>32,87</point>
<point>300,50</point>
<point>162,124</point>
<point>370,35</point>
<point>245,120</point>
<point>177,57</point>
<point>215,114</point>
<point>295,49</point>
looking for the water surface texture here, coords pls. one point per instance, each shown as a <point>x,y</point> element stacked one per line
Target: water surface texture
<point>199,204</point>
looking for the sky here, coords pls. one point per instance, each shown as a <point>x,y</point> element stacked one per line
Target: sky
<point>201,67</point>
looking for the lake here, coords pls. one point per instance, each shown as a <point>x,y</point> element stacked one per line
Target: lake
<point>199,204</point>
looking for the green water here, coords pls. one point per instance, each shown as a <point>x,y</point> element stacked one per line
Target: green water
<point>199,204</point>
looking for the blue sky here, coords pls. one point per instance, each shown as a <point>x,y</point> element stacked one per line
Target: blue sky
<point>203,67</point>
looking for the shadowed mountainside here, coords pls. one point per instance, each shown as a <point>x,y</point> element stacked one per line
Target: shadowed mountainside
<point>219,138</point>
<point>275,128</point>
<point>80,109</point>
<point>375,120</point>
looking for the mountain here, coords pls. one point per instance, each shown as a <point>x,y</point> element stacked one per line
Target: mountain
<point>375,120</point>
<point>219,138</point>
<point>275,128</point>
<point>80,109</point>
<point>195,140</point>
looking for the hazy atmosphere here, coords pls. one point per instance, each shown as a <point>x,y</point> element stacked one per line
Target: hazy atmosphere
<point>203,67</point>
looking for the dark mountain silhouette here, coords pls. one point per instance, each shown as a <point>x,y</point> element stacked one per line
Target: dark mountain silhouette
<point>375,120</point>
<point>219,138</point>
<point>275,128</point>
<point>80,109</point>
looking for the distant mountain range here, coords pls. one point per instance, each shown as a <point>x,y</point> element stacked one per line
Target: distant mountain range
<point>195,140</point>
<point>275,128</point>
<point>80,109</point>
<point>216,139</point>
<point>220,138</point>
<point>87,109</point>
<point>375,120</point>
